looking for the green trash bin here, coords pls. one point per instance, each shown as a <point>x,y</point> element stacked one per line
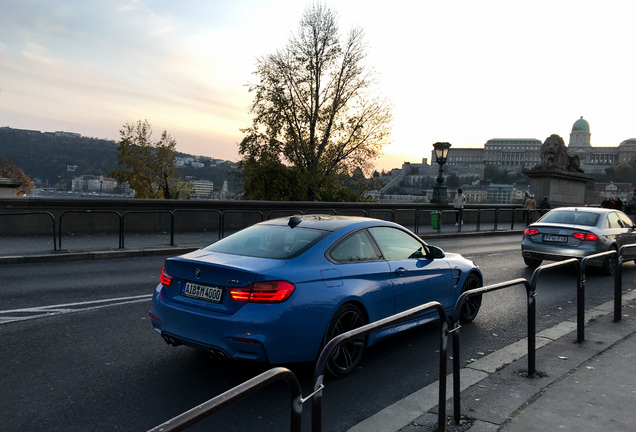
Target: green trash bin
<point>436,217</point>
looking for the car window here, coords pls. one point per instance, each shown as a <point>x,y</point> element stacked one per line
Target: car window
<point>612,220</point>
<point>560,217</point>
<point>268,241</point>
<point>625,220</point>
<point>396,244</point>
<point>572,218</point>
<point>354,248</point>
<point>586,218</point>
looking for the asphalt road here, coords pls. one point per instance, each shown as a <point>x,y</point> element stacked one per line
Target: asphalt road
<point>77,351</point>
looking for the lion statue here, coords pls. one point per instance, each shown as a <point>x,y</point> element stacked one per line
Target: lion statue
<point>555,156</point>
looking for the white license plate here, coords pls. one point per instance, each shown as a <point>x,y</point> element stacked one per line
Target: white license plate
<point>202,292</point>
<point>555,238</point>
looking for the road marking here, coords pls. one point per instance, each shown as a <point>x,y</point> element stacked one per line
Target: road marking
<point>13,315</point>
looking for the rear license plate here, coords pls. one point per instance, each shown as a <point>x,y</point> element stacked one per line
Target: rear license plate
<point>202,292</point>
<point>554,238</point>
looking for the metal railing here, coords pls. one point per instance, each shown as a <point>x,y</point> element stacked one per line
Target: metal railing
<point>333,344</point>
<point>230,220</point>
<point>113,212</point>
<point>122,231</point>
<point>531,314</point>
<point>198,413</point>
<point>39,213</point>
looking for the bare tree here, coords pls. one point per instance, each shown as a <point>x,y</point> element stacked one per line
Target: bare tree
<point>314,118</point>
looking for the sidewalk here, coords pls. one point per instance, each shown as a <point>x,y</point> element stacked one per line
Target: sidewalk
<point>578,387</point>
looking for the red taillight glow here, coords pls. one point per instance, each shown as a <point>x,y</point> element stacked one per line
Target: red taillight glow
<point>585,236</point>
<point>263,292</point>
<point>165,279</point>
<point>531,231</point>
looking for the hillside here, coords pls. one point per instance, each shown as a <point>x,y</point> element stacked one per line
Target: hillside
<point>54,158</point>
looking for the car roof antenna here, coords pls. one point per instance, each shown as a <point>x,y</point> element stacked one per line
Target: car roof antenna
<point>294,221</point>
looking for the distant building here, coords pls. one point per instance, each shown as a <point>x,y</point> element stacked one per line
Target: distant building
<point>503,193</point>
<point>62,134</point>
<point>202,188</point>
<point>525,153</point>
<point>98,184</point>
<point>624,191</point>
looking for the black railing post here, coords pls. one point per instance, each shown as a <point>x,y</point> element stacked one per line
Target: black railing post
<point>580,303</point>
<point>457,408</point>
<point>172,228</point>
<point>532,329</point>
<point>456,326</point>
<point>327,351</point>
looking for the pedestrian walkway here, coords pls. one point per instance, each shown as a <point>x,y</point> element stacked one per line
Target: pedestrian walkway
<point>578,387</point>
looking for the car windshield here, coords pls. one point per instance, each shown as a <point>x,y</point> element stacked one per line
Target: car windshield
<point>268,241</point>
<point>573,217</point>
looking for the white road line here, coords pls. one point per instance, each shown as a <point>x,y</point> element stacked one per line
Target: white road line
<point>51,310</point>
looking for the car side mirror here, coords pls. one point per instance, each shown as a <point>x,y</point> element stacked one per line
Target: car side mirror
<point>435,252</point>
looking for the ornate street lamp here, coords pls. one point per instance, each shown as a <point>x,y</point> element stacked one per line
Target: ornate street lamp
<point>439,190</point>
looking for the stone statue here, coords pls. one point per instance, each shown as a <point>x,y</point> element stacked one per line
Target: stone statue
<point>555,156</point>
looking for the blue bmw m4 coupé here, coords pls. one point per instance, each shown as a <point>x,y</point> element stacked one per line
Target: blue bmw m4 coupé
<point>279,290</point>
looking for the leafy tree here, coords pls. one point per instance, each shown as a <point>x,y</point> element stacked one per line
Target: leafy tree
<point>150,166</point>
<point>314,120</point>
<point>9,170</point>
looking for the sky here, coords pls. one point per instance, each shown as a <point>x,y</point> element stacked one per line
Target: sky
<point>459,71</point>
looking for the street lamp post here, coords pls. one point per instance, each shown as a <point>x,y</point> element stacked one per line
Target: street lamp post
<point>440,195</point>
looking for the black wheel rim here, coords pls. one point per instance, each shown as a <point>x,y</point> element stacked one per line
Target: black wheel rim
<point>471,305</point>
<point>347,355</point>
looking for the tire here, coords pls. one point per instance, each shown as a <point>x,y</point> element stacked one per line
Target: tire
<point>532,262</point>
<point>348,355</point>
<point>471,306</point>
<point>610,264</point>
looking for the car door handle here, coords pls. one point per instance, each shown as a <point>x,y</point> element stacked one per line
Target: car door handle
<point>400,271</point>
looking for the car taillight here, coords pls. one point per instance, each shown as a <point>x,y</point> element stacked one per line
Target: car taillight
<point>531,231</point>
<point>585,236</point>
<point>263,292</point>
<point>165,279</point>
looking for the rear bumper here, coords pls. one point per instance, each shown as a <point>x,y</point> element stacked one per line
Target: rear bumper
<point>260,333</point>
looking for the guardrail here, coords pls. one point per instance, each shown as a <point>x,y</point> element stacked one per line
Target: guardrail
<point>531,314</point>
<point>198,413</point>
<point>333,344</point>
<point>119,224</point>
<point>50,215</point>
<point>230,220</point>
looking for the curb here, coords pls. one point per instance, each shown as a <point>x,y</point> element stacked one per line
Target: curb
<point>415,410</point>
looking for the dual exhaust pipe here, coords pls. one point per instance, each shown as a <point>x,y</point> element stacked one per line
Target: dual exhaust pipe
<point>213,353</point>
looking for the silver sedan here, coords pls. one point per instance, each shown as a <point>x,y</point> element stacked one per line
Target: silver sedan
<point>576,232</point>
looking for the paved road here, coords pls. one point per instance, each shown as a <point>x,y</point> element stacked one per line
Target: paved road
<point>78,352</point>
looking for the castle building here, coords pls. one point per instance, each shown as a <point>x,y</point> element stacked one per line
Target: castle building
<point>525,153</point>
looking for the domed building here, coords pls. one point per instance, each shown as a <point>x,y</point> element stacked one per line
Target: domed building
<point>580,135</point>
<point>519,154</point>
<point>597,159</point>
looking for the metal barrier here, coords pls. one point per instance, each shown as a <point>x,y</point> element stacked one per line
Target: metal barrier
<point>198,413</point>
<point>37,213</point>
<point>223,216</point>
<point>119,224</point>
<point>123,219</point>
<point>176,211</point>
<point>325,355</point>
<point>243,212</point>
<point>618,281</point>
<point>530,293</point>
